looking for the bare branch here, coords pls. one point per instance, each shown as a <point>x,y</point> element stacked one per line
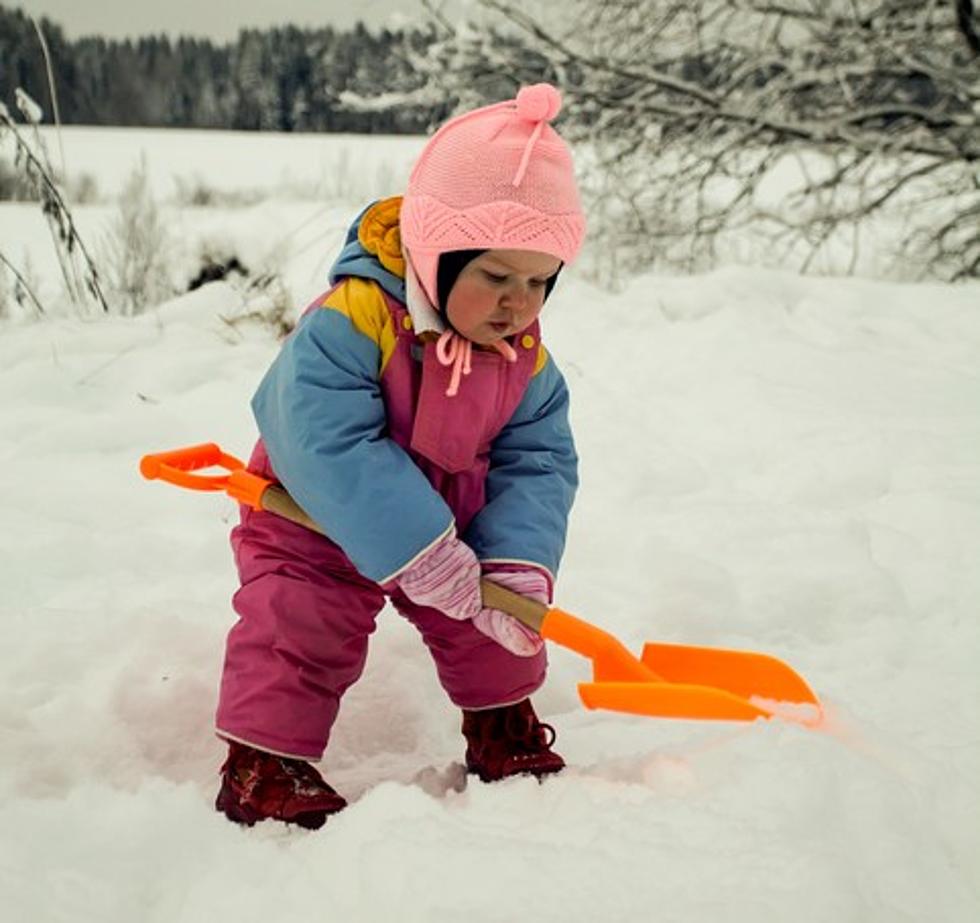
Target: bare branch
<point>22,282</point>
<point>67,238</point>
<point>718,120</point>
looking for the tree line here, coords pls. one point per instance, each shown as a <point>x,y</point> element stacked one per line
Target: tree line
<point>282,79</point>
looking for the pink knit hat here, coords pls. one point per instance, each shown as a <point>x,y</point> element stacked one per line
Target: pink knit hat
<point>498,177</point>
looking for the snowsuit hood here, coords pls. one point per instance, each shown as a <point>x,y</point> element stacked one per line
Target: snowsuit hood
<point>373,249</point>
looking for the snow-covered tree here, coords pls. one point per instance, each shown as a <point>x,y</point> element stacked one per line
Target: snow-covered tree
<point>814,123</point>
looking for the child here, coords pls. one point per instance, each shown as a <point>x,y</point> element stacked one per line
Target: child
<point>415,416</point>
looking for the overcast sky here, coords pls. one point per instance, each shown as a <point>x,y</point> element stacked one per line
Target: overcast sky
<point>216,19</point>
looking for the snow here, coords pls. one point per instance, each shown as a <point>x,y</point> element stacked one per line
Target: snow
<point>771,462</point>
<point>239,164</point>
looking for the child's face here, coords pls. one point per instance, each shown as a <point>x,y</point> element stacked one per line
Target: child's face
<point>499,293</point>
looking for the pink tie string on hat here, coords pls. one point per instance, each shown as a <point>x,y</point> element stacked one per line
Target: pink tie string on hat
<point>539,103</point>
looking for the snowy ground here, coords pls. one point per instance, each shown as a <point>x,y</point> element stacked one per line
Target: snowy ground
<point>771,462</point>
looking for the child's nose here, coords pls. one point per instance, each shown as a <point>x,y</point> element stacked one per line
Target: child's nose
<point>516,296</point>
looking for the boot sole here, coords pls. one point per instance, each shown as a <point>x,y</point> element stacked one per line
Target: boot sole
<point>242,814</point>
<point>538,774</point>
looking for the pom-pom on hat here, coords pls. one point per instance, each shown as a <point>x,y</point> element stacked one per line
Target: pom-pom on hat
<point>498,177</point>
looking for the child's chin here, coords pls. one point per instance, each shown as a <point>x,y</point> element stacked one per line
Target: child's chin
<point>494,335</point>
<point>485,339</point>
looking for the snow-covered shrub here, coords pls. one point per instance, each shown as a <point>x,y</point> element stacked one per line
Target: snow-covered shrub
<point>14,186</point>
<point>214,269</point>
<point>193,191</point>
<point>78,270</point>
<point>196,192</point>
<point>263,296</point>
<point>137,249</point>
<point>18,289</point>
<point>5,295</point>
<point>83,188</point>
<point>266,299</point>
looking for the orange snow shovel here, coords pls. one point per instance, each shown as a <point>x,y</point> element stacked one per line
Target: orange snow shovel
<point>667,681</point>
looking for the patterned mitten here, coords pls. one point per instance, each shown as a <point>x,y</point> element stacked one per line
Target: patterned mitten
<point>504,628</point>
<point>446,577</point>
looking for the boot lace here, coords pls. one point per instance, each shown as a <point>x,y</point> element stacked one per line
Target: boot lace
<point>304,777</point>
<point>523,728</point>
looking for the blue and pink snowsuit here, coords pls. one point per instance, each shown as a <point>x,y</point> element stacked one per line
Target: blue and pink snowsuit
<point>355,423</point>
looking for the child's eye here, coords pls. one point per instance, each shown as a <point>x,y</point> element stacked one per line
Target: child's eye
<point>539,283</point>
<point>493,277</point>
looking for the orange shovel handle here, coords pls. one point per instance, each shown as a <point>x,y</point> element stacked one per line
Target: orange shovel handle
<point>176,466</point>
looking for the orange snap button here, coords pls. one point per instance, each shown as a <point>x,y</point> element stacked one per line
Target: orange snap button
<point>527,341</point>
<point>407,322</point>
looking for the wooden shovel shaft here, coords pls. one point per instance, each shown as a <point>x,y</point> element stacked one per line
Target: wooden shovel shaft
<point>276,500</point>
<point>527,611</point>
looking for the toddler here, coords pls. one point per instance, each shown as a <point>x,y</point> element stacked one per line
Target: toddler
<point>415,415</point>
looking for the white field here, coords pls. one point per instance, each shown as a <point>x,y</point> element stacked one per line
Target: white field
<point>771,462</point>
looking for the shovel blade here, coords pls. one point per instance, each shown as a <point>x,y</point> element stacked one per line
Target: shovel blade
<point>670,700</point>
<point>744,674</point>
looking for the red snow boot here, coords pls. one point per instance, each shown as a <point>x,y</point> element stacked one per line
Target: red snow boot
<point>509,741</point>
<point>256,785</point>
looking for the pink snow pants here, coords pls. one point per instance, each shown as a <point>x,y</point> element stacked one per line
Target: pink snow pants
<point>301,639</point>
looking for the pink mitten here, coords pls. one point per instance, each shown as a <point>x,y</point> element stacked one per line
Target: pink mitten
<point>446,577</point>
<point>505,629</point>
